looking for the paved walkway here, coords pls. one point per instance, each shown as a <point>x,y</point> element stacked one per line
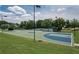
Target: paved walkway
<point>75,44</point>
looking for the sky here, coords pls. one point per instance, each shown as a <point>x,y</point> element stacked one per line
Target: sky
<point>18,13</point>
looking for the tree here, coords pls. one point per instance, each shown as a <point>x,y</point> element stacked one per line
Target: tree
<point>74,23</point>
<point>30,24</point>
<point>23,24</point>
<point>11,27</point>
<point>4,26</point>
<point>59,23</point>
<point>39,23</point>
<point>67,24</point>
<point>47,23</point>
<point>27,24</point>
<point>3,22</point>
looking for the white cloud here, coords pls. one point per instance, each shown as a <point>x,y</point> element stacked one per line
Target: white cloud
<point>13,17</point>
<point>61,9</point>
<point>26,15</point>
<point>37,13</point>
<point>6,13</point>
<point>52,9</point>
<point>17,10</point>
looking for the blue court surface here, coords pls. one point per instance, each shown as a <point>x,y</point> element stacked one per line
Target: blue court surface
<point>58,37</point>
<point>54,37</point>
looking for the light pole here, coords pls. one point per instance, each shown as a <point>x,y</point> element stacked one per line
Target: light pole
<point>74,32</point>
<point>34,22</point>
<point>35,6</point>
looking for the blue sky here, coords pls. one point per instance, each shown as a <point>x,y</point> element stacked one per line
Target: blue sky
<point>17,13</point>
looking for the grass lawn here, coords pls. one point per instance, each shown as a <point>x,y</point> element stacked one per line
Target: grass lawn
<point>76,34</point>
<point>10,44</point>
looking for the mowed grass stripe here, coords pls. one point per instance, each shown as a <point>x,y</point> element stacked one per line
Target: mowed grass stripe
<point>10,44</point>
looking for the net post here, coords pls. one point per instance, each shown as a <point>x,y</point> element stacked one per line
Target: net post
<point>72,39</point>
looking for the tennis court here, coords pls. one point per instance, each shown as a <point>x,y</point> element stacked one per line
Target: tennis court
<point>54,37</point>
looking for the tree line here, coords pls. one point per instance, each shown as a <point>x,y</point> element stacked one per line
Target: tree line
<point>57,24</point>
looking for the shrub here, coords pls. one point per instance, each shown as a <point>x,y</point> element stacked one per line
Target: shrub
<point>11,27</point>
<point>40,41</point>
